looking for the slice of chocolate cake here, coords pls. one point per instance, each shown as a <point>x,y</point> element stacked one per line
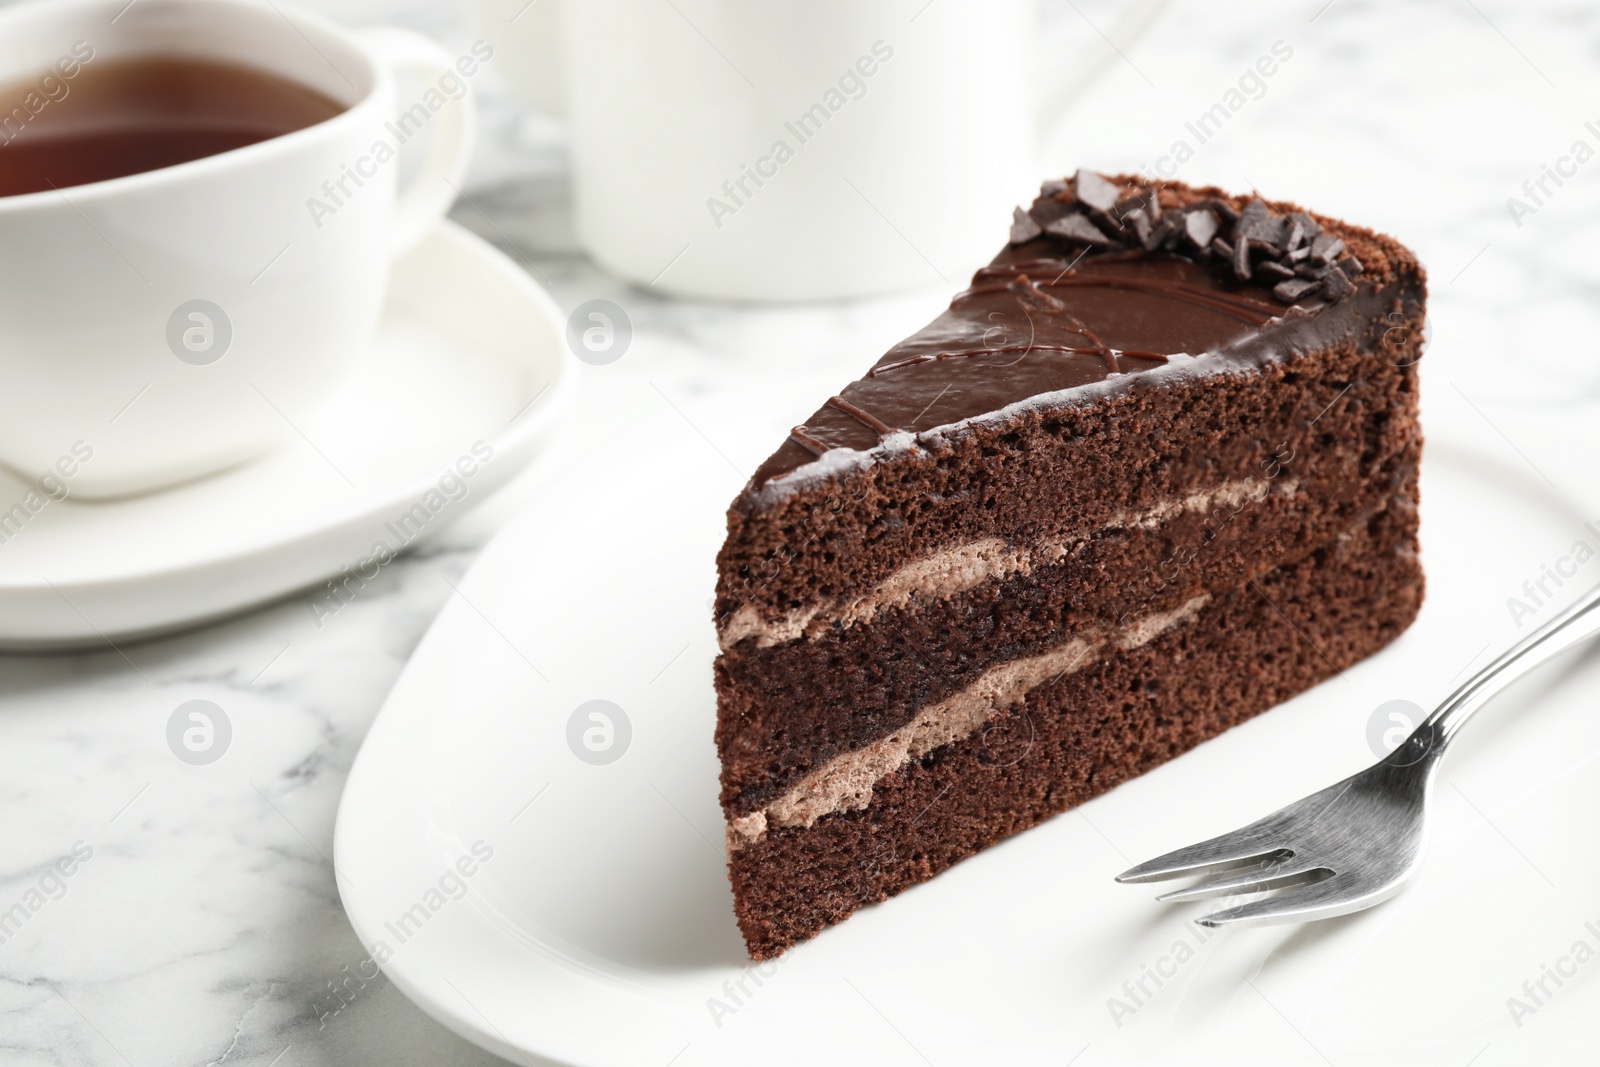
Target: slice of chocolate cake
<point>1154,472</point>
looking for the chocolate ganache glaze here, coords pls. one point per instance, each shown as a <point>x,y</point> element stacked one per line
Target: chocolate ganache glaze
<point>1103,281</point>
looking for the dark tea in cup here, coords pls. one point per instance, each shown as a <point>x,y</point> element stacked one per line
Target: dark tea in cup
<point>115,117</point>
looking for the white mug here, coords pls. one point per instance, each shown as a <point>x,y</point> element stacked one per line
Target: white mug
<point>793,149</point>
<point>168,324</point>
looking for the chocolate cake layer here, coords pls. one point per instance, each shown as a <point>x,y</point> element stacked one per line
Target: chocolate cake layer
<point>1337,443</point>
<point>1069,739</point>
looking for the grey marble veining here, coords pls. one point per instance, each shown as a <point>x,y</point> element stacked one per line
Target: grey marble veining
<point>204,926</point>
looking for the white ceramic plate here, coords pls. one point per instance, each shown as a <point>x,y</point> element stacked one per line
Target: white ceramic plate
<point>598,930</point>
<point>470,352</point>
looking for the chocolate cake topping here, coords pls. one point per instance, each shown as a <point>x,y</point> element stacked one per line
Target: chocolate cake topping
<point>806,441</point>
<point>1200,227</point>
<point>1023,227</point>
<point>1094,192</point>
<point>1294,288</point>
<point>871,422</point>
<point>1102,278</point>
<point>1079,229</point>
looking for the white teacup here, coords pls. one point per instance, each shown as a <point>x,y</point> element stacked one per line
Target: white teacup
<point>796,149</point>
<point>168,324</point>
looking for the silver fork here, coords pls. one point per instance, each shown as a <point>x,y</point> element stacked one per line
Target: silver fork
<point>1359,842</point>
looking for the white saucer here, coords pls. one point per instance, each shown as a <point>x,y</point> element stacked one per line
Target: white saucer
<point>599,929</point>
<point>470,352</point>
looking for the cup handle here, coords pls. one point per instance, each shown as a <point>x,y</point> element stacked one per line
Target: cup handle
<point>1068,80</point>
<point>428,196</point>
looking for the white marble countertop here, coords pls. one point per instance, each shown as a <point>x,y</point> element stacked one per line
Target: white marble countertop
<point>204,926</point>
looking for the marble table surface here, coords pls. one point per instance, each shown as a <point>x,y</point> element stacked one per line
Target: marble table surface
<point>201,924</point>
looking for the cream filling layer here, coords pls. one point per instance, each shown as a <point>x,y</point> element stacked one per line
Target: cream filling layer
<point>955,570</point>
<point>845,783</point>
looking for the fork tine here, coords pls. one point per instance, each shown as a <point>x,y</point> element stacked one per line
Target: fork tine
<point>1286,873</point>
<point>1339,895</point>
<point>1244,847</point>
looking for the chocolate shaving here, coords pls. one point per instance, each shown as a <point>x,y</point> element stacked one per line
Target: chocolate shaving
<point>1078,228</point>
<point>1301,228</point>
<point>1047,209</point>
<point>1335,286</point>
<point>1110,225</point>
<point>1138,205</point>
<point>1288,252</point>
<point>1241,259</point>
<point>1293,289</point>
<point>1326,248</point>
<point>1307,223</point>
<point>1200,227</point>
<point>1161,233</point>
<point>1268,233</point>
<point>1094,191</point>
<point>1223,209</point>
<point>1023,227</point>
<point>1168,232</point>
<point>1257,227</point>
<point>1254,212</point>
<point>1141,229</point>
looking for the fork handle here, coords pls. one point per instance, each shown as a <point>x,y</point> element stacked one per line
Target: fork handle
<point>1569,628</point>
